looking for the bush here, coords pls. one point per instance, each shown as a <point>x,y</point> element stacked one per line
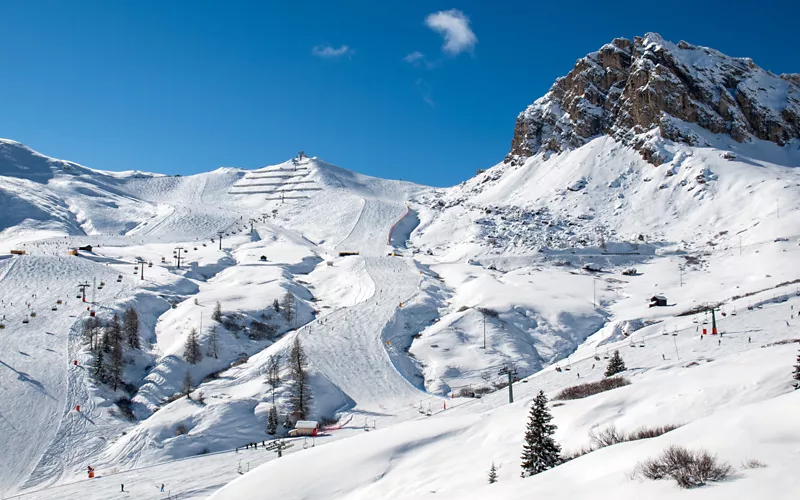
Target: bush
<point>600,438</point>
<point>174,397</point>
<point>651,432</point>
<point>462,308</point>
<point>688,468</point>
<point>591,388</point>
<point>242,360</point>
<point>181,429</point>
<point>261,331</point>
<point>753,464</point>
<point>605,437</point>
<point>125,411</point>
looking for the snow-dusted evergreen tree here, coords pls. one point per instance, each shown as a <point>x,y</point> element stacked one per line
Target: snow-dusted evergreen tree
<point>272,421</point>
<point>191,352</point>
<point>99,366</point>
<point>114,330</point>
<point>274,373</point>
<point>287,304</point>
<point>796,374</point>
<point>540,451</point>
<point>492,474</point>
<point>615,365</point>
<point>217,314</point>
<point>276,306</point>
<point>186,387</point>
<point>91,332</point>
<point>212,349</point>
<point>300,399</point>
<point>130,327</point>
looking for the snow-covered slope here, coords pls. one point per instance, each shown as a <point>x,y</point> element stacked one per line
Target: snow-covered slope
<point>410,300</point>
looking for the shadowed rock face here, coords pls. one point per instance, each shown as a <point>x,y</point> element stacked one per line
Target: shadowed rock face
<point>628,88</point>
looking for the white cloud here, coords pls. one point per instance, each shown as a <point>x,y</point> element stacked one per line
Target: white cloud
<point>426,91</point>
<point>453,25</point>
<point>414,57</point>
<point>328,52</point>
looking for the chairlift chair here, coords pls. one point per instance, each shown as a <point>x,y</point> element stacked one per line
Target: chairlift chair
<point>54,308</point>
<point>25,321</point>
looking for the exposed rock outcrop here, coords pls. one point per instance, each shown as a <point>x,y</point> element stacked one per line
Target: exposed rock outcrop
<point>629,88</point>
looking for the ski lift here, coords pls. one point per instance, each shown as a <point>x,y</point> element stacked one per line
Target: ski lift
<point>694,319</point>
<point>675,332</point>
<point>54,308</point>
<point>664,331</point>
<point>641,344</point>
<point>59,302</point>
<point>135,268</point>
<point>33,315</point>
<point>605,356</point>
<point>558,369</point>
<point>78,296</point>
<point>149,264</point>
<point>25,321</point>
<point>92,314</point>
<point>569,366</point>
<point>733,313</point>
<point>429,412</point>
<point>596,357</point>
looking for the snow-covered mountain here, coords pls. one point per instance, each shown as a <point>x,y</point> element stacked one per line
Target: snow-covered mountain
<point>652,168</point>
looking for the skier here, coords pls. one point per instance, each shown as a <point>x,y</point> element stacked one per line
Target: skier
<point>663,357</point>
<point>749,340</point>
<point>162,487</point>
<point>122,488</point>
<point>719,341</point>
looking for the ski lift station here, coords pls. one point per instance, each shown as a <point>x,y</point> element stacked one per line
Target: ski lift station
<point>305,428</point>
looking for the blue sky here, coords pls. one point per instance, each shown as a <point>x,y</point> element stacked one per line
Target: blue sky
<point>188,86</point>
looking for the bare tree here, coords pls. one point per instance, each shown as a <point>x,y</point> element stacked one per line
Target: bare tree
<point>212,346</point>
<point>300,400</point>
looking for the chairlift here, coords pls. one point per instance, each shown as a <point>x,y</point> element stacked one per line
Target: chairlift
<point>558,369</point>
<point>54,308</point>
<point>59,302</point>
<point>596,357</point>
<point>149,264</point>
<point>92,313</point>
<point>33,315</point>
<point>569,366</point>
<point>675,332</point>
<point>25,321</point>
<point>694,319</point>
<point>641,344</point>
<point>606,356</point>
<point>664,331</point>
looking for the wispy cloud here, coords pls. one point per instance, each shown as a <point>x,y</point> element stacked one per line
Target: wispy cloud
<point>426,90</point>
<point>418,59</point>
<point>414,57</point>
<point>328,52</point>
<point>453,25</point>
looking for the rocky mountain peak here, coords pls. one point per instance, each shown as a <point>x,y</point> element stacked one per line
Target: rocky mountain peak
<point>632,88</point>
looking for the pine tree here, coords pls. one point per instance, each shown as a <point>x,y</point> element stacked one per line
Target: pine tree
<point>288,306</point>
<point>99,367</point>
<point>272,421</point>
<point>217,314</point>
<point>212,347</point>
<point>91,332</point>
<point>117,361</point>
<point>540,451</point>
<point>276,306</point>
<point>615,365</point>
<point>274,373</point>
<point>191,353</point>
<point>130,328</point>
<point>300,399</point>
<point>493,474</point>
<point>796,374</point>
<point>186,387</point>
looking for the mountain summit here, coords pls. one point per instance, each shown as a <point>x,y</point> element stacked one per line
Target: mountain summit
<point>631,89</point>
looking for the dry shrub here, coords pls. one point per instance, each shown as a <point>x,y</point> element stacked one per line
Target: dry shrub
<point>605,437</point>
<point>591,388</point>
<point>753,464</point>
<point>181,429</point>
<point>688,468</point>
<point>602,437</point>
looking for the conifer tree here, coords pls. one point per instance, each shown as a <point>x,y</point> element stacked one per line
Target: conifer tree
<point>540,451</point>
<point>117,361</point>
<point>191,352</point>
<point>300,399</point>
<point>492,474</point>
<point>130,328</point>
<point>288,306</point>
<point>99,367</point>
<point>212,348</point>
<point>615,365</point>
<point>276,306</point>
<point>274,373</point>
<point>217,314</point>
<point>272,421</point>
<point>796,374</point>
<point>186,387</point>
<point>114,330</point>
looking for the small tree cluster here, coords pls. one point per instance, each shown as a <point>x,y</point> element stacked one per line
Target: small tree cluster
<point>191,352</point>
<point>130,328</point>
<point>615,365</point>
<point>540,451</point>
<point>260,330</point>
<point>300,399</point>
<point>689,469</point>
<point>796,374</point>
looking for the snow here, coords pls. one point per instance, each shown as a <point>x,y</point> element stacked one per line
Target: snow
<point>535,251</point>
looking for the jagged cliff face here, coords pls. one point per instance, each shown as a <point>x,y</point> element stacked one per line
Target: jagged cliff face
<point>627,89</point>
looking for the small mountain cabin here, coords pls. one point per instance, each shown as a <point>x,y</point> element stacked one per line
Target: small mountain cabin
<point>658,301</point>
<point>305,428</point>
